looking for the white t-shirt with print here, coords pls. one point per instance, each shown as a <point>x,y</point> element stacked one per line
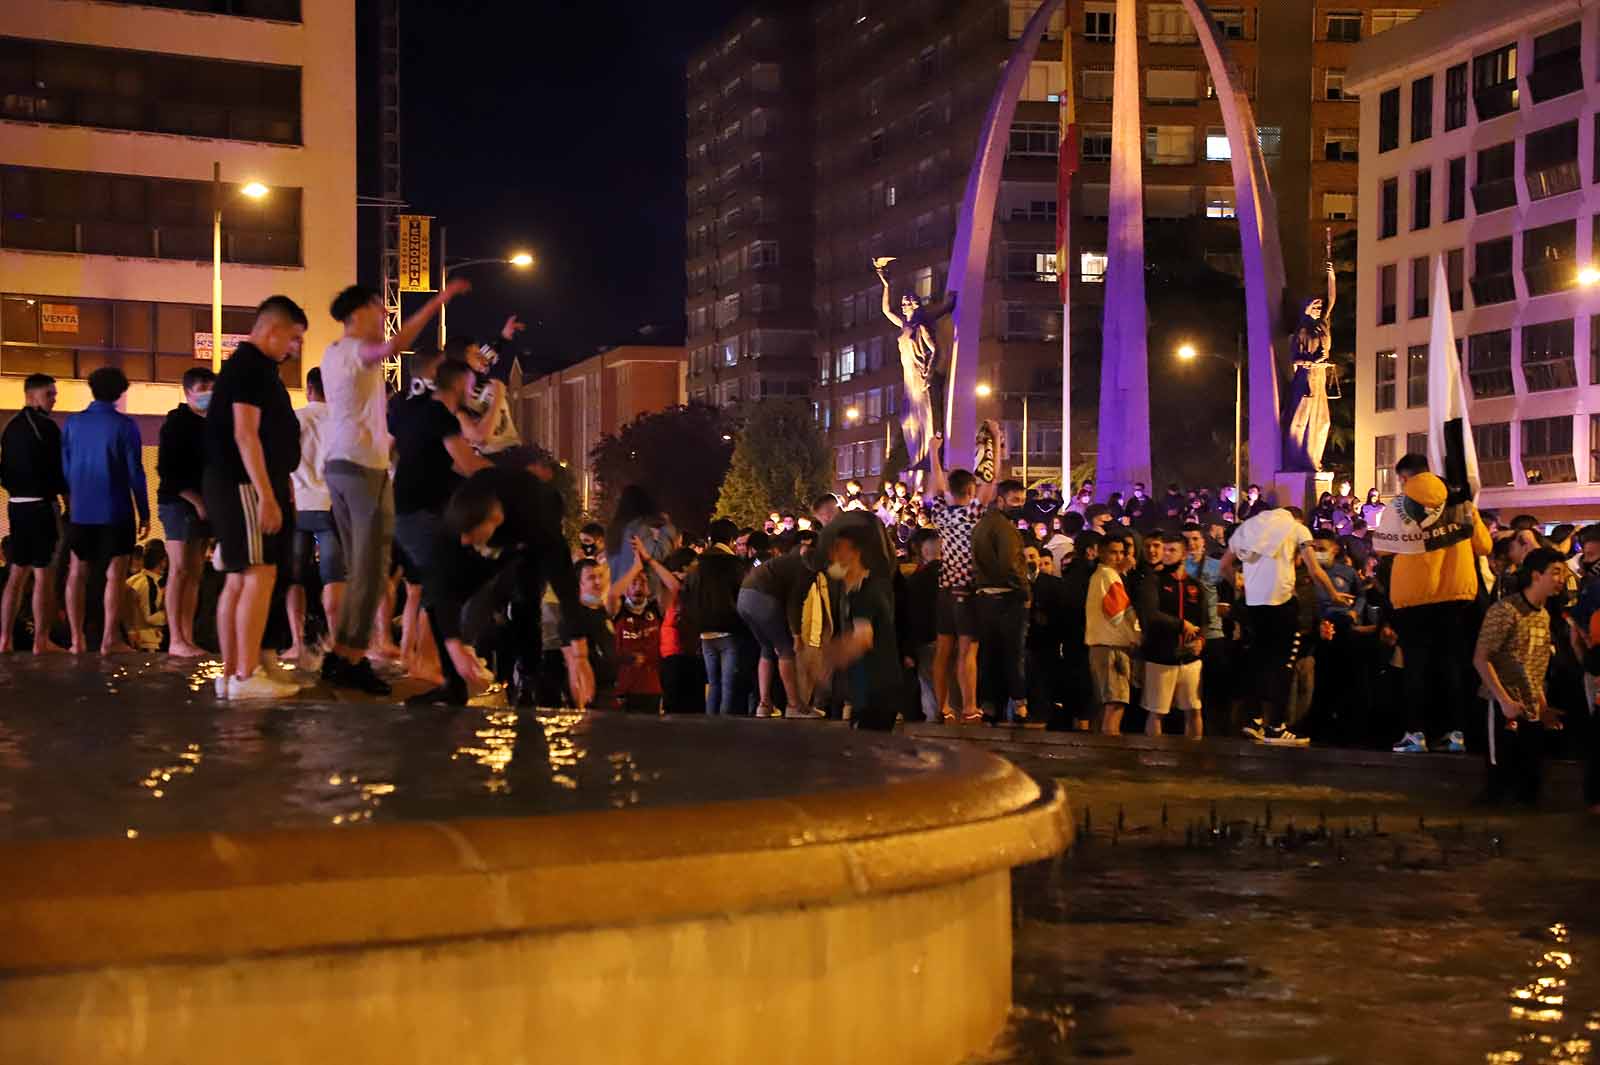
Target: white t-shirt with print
<point>358,415</point>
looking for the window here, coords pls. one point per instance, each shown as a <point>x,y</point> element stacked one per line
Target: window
<point>874,458</point>
<point>1389,120</point>
<point>1386,294</point>
<point>843,465</point>
<point>1594,349</point>
<point>1494,83</point>
<point>1383,383</point>
<point>1557,69</point>
<point>1492,280</point>
<point>874,354</point>
<point>1417,379</point>
<point>1026,322</point>
<point>1271,138</point>
<point>763,253</point>
<point>1455,97</point>
<point>113,88</point>
<point>1496,187</point>
<point>847,363</point>
<point>1416,443</point>
<point>1333,85</point>
<point>1022,11</point>
<point>860,450</point>
<point>1097,83</point>
<point>1169,144</point>
<point>1548,361</point>
<point>1550,161</point>
<point>730,352</point>
<point>1549,258</point>
<point>1034,211</point>
<point>1383,460</point>
<point>1594,447</point>
<point>1092,267</point>
<point>1037,140</point>
<point>847,312</point>
<point>1171,86</point>
<point>1339,206</point>
<point>1220,202</point>
<point>1099,22</point>
<point>1455,277</point>
<point>874,405</point>
<point>1420,284</point>
<point>1421,109</point>
<point>276,10</point>
<point>1455,207</point>
<point>924,282</point>
<point>1422,199</point>
<point>875,146</point>
<point>1388,208</point>
<point>140,217</point>
<point>1095,145</point>
<point>1344,26</point>
<point>1230,23</point>
<point>1489,364</point>
<point>1547,450</point>
<point>1341,145</point>
<point>1218,150</point>
<point>1493,444</point>
<point>1388,18</point>
<point>1046,81</point>
<point>728,310</point>
<point>1169,24</point>
<point>1030,263</point>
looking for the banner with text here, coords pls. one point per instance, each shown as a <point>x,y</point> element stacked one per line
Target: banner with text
<point>230,341</point>
<point>416,240</point>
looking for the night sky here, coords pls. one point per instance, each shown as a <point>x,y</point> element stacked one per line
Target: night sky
<point>553,127</point>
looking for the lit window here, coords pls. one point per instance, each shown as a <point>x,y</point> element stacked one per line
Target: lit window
<point>1092,267</point>
<point>1219,202</point>
<point>1339,206</point>
<point>1218,150</point>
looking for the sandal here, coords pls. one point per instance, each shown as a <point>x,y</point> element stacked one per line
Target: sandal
<point>949,717</point>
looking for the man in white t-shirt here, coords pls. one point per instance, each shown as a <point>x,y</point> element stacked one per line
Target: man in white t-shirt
<point>356,468</point>
<point>1268,546</point>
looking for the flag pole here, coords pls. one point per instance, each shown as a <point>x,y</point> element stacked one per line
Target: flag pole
<point>1066,166</point>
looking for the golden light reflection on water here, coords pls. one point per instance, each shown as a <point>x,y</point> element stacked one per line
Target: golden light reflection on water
<point>1541,1001</point>
<point>624,779</point>
<point>494,749</point>
<point>566,754</point>
<point>204,676</point>
<point>368,796</point>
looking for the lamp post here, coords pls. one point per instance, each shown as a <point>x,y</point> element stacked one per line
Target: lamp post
<point>521,260</point>
<point>1588,276</point>
<point>255,191</point>
<point>984,391</point>
<point>1187,352</point>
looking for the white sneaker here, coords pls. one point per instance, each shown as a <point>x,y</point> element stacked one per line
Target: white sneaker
<point>767,711</point>
<point>260,686</point>
<point>808,712</point>
<point>1282,737</point>
<point>222,685</point>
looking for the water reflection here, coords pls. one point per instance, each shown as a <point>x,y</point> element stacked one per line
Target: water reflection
<point>494,748</point>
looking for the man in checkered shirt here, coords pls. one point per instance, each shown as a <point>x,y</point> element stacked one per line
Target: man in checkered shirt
<point>955,502</point>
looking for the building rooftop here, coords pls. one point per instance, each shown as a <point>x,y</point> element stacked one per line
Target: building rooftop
<point>1458,25</point>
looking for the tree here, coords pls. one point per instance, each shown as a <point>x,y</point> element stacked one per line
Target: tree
<point>780,462</point>
<point>679,455</point>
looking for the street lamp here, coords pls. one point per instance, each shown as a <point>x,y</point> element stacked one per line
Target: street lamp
<point>851,414</point>
<point>1588,276</point>
<point>1188,353</point>
<point>522,260</point>
<point>984,391</point>
<point>255,190</point>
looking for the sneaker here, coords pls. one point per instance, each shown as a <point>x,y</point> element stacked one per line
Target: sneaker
<point>442,697</point>
<point>222,685</point>
<point>766,710</point>
<point>260,686</point>
<point>1255,731</point>
<point>808,712</point>
<point>1413,743</point>
<point>1279,736</point>
<point>1455,742</point>
<point>275,669</point>
<point>358,676</point>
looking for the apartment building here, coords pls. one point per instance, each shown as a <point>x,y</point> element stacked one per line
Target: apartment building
<point>1479,145</point>
<point>748,162</point>
<point>567,412</point>
<point>112,117</point>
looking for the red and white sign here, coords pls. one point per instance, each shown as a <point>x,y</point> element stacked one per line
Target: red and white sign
<point>230,341</point>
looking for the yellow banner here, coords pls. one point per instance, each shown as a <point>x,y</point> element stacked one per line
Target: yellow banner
<point>58,317</point>
<point>416,238</point>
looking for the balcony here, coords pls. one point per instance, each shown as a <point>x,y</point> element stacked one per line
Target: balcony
<point>1549,469</point>
<point>1494,288</point>
<point>1492,101</point>
<point>1553,180</point>
<point>1551,275</point>
<point>1556,75</point>
<point>1495,195</point>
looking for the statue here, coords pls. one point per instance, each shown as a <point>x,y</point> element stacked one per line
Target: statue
<point>1306,405</point>
<point>923,367</point>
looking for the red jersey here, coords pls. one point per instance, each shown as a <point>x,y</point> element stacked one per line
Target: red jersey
<point>638,650</point>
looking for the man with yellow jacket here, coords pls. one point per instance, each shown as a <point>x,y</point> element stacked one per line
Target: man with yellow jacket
<point>1434,593</point>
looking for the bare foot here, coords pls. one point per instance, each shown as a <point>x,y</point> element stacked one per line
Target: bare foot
<point>293,654</point>
<point>117,648</point>
<point>186,650</point>
<point>79,648</point>
<point>49,649</point>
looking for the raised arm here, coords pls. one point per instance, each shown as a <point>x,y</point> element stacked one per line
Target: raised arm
<point>888,310</point>
<point>374,353</point>
<point>936,484</point>
<point>1333,294</point>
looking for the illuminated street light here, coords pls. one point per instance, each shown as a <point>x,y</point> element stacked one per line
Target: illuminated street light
<point>1588,276</point>
<point>851,414</point>
<point>255,190</point>
<point>521,258</point>
<point>984,391</point>
<point>1187,352</point>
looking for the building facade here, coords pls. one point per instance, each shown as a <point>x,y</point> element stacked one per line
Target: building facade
<point>112,117</point>
<point>1479,146</point>
<point>897,96</point>
<point>567,412</point>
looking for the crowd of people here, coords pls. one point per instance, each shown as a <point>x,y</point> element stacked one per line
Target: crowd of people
<point>416,526</point>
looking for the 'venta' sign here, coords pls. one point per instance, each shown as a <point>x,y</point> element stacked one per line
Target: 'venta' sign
<point>58,317</point>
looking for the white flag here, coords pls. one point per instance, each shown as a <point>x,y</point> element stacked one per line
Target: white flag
<point>1452,453</point>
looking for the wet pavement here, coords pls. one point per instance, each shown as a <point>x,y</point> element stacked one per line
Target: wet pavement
<point>1226,903</point>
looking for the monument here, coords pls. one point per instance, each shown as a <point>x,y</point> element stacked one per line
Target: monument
<point>1306,407</point>
<point>922,369</point>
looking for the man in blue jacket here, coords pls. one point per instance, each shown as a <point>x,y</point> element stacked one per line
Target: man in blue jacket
<point>100,450</point>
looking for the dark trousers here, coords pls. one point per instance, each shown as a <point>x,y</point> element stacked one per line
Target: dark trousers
<point>1274,647</point>
<point>683,684</point>
<point>1515,757</point>
<point>1002,641</point>
<point>1045,676</point>
<point>1075,688</point>
<point>501,622</point>
<point>1436,639</point>
<point>1591,772</point>
<point>878,712</point>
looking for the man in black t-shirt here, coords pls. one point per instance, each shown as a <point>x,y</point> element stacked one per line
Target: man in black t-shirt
<point>431,459</point>
<point>252,448</point>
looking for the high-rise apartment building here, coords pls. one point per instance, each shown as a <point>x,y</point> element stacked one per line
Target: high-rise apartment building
<point>749,178</point>
<point>899,94</point>
<point>1479,142</point>
<point>112,117</point>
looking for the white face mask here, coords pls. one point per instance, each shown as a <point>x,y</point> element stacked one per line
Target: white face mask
<point>837,571</point>
<point>637,605</point>
<point>590,599</point>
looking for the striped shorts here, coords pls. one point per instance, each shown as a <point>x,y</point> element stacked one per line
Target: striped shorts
<point>234,511</point>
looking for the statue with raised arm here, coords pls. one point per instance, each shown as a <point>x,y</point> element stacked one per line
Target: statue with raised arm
<point>1306,403</point>
<point>923,367</point>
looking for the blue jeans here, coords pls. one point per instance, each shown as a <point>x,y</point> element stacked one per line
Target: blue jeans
<point>722,674</point>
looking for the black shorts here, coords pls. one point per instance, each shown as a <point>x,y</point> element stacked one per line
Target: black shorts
<point>99,544</point>
<point>232,509</point>
<point>35,531</point>
<point>954,614</point>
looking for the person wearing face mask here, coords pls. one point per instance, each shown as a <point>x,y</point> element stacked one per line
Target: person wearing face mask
<point>592,545</point>
<point>1253,503</point>
<point>1000,599</point>
<point>636,620</point>
<point>866,651</point>
<point>180,473</point>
